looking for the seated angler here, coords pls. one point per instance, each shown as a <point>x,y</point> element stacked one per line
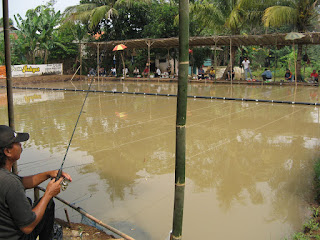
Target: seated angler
<point>266,75</point>
<point>212,73</point>
<point>288,75</point>
<point>230,75</point>
<point>200,73</point>
<point>314,76</point>
<point>18,219</point>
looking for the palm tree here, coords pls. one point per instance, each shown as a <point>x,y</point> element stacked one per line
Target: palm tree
<point>299,14</point>
<point>93,11</point>
<point>221,17</point>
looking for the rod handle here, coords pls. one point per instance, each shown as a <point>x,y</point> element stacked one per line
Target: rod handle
<point>59,174</point>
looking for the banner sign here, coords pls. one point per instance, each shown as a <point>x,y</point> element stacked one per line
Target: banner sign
<point>3,72</point>
<point>39,69</point>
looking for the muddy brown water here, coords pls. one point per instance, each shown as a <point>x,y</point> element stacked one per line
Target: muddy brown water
<point>248,168</point>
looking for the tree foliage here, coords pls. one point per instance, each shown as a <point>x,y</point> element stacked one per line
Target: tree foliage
<point>36,35</point>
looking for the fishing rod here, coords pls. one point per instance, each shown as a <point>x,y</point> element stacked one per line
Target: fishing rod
<point>65,181</point>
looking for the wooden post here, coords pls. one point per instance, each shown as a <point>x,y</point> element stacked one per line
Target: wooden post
<point>295,64</point>
<point>67,216</point>
<point>80,60</point>
<point>149,45</point>
<point>98,60</point>
<point>231,60</point>
<point>181,120</point>
<point>123,64</point>
<point>215,60</point>
<point>8,70</point>
<point>275,68</point>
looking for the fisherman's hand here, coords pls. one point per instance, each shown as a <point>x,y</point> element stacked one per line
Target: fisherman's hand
<point>54,187</point>
<point>53,174</point>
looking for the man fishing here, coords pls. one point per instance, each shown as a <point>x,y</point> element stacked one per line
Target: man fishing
<point>18,219</point>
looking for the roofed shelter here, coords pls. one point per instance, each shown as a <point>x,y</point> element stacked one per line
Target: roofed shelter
<point>275,39</point>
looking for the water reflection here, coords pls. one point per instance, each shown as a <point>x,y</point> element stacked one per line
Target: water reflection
<point>242,158</point>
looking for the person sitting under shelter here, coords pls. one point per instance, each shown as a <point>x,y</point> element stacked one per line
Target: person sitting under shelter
<point>92,72</point>
<point>169,70</point>
<point>229,75</point>
<point>314,76</point>
<point>158,73</point>
<point>212,73</point>
<point>266,75</point>
<point>200,73</point>
<point>136,72</point>
<point>113,71</point>
<point>125,72</point>
<point>288,75</point>
<point>102,71</point>
<point>145,72</point>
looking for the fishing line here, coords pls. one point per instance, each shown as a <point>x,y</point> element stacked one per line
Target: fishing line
<point>78,201</point>
<point>228,140</point>
<point>74,129</point>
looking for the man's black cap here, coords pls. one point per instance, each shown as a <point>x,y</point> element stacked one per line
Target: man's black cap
<point>8,136</point>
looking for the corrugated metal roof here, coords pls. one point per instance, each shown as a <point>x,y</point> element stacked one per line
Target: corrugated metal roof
<point>236,40</point>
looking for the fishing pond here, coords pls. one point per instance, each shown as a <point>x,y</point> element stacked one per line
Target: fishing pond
<point>249,165</point>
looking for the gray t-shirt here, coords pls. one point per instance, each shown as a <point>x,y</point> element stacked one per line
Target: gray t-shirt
<point>15,209</point>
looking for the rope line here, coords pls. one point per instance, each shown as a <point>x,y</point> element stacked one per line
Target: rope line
<point>173,95</point>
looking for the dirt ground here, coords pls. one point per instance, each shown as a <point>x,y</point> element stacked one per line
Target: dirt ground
<point>41,79</point>
<point>82,231</point>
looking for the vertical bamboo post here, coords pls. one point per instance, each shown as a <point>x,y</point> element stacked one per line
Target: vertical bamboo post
<point>98,60</point>
<point>123,64</point>
<point>304,65</point>
<point>149,44</point>
<point>215,60</point>
<point>181,119</point>
<point>8,69</point>
<point>275,61</point>
<point>231,60</point>
<point>80,60</point>
<point>295,64</point>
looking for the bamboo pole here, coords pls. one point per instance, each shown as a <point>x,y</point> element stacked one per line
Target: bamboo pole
<point>275,67</point>
<point>8,70</point>
<point>231,60</point>
<point>75,73</point>
<point>295,64</point>
<point>123,64</point>
<point>79,210</point>
<point>80,61</point>
<point>98,60</point>
<point>215,60</point>
<point>149,45</point>
<point>181,119</point>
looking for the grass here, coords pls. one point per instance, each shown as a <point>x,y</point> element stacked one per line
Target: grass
<point>311,228</point>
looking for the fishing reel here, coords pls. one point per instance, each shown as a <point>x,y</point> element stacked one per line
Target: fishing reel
<point>64,184</point>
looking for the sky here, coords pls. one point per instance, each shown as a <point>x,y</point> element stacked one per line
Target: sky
<point>21,6</point>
